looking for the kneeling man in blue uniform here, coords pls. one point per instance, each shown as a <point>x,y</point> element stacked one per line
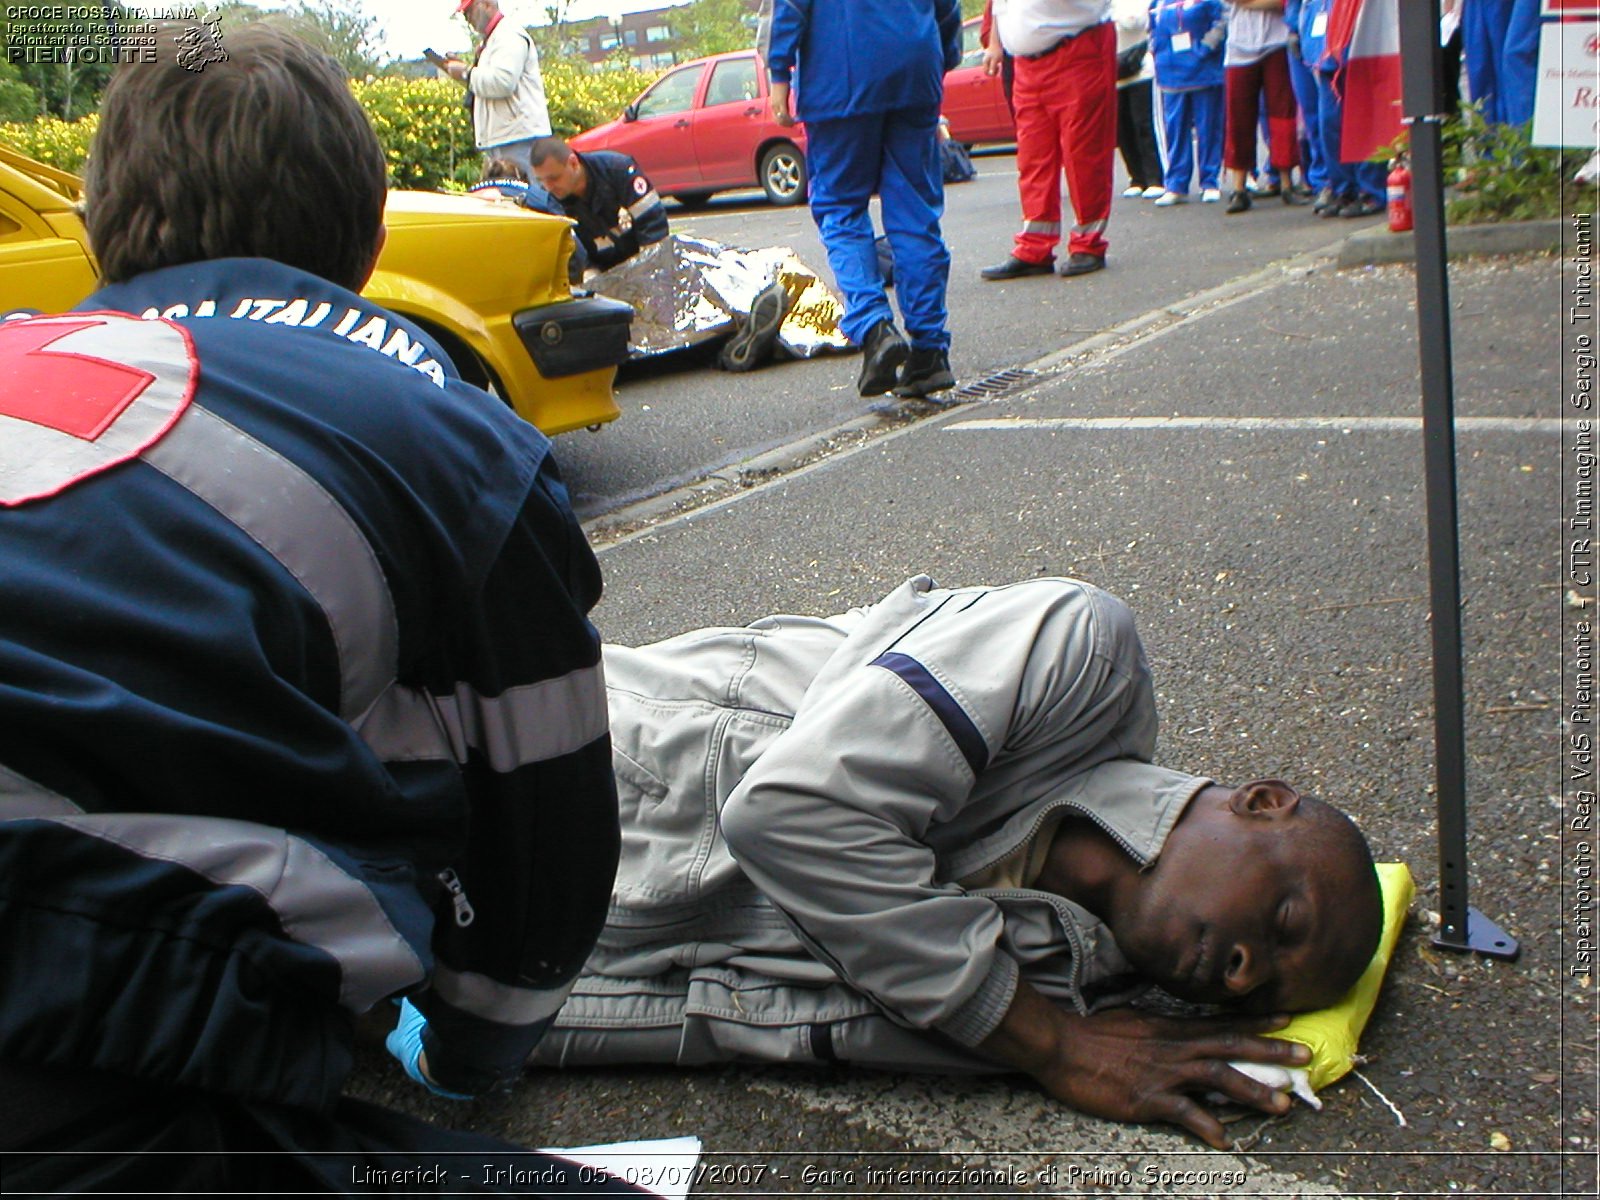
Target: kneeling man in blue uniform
<point>300,707</point>
<point>868,81</point>
<point>928,835</point>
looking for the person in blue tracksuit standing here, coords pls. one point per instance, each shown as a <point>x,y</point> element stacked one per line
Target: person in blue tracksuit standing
<point>868,81</point>
<point>1354,189</point>
<point>1186,42</point>
<point>1500,42</point>
<point>1303,78</point>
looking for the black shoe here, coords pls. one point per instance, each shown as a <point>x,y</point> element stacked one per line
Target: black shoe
<point>1079,263</point>
<point>1361,206</point>
<point>1268,190</point>
<point>752,344</point>
<point>926,371</point>
<point>1324,201</point>
<point>1016,268</point>
<point>1297,193</point>
<point>882,351</point>
<point>1238,202</point>
<point>1335,206</point>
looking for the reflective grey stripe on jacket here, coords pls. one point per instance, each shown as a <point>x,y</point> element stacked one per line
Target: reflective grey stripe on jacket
<point>260,490</point>
<point>21,797</point>
<point>293,518</point>
<point>316,902</point>
<point>525,724</point>
<point>494,1001</point>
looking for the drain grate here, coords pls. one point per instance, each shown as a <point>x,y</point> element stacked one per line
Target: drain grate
<point>998,384</point>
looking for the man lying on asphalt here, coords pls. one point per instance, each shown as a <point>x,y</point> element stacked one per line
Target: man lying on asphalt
<point>928,835</point>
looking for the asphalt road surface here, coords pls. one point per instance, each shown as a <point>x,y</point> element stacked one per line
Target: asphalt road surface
<point>1221,428</point>
<point>683,420</point>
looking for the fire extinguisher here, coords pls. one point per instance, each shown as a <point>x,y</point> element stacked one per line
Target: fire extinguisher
<point>1399,186</point>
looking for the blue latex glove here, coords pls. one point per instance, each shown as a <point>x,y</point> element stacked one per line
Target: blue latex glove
<point>405,1043</point>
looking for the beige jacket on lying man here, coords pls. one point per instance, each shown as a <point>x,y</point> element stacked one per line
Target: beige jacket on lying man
<point>830,828</point>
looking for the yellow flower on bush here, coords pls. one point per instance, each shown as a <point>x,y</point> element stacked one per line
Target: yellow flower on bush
<point>422,125</point>
<point>63,144</point>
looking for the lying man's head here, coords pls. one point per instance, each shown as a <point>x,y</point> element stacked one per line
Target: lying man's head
<point>263,154</point>
<point>1261,898</point>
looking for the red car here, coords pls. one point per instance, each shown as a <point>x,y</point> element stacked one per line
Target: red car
<point>975,103</point>
<point>705,127</point>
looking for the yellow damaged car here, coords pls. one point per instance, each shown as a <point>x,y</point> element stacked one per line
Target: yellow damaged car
<point>486,279</point>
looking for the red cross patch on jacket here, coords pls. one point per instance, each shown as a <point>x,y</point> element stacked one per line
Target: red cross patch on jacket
<point>83,392</point>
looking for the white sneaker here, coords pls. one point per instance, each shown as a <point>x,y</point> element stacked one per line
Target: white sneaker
<point>1150,193</point>
<point>1168,199</point>
<point>1210,196</point>
<point>1131,192</point>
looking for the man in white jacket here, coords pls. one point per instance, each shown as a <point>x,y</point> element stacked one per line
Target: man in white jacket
<point>928,835</point>
<point>504,86</point>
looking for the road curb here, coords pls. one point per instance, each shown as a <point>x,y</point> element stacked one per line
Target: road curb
<point>1377,246</point>
<point>622,524</point>
<point>618,526</point>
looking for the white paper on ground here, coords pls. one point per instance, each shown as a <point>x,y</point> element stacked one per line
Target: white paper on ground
<point>663,1166</point>
<point>1281,1079</point>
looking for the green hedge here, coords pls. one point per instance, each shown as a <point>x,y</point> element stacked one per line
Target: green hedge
<point>63,144</point>
<point>582,96</point>
<point>424,129</point>
<point>422,125</point>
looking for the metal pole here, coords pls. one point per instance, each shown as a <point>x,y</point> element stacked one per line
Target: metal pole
<point>1461,926</point>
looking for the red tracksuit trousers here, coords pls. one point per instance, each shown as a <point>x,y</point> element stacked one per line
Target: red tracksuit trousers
<point>1066,109</point>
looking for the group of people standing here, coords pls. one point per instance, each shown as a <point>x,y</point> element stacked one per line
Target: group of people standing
<point>1081,75</point>
<point>1225,71</point>
<point>1083,78</point>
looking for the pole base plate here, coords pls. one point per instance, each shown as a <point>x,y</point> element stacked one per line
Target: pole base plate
<point>1483,937</point>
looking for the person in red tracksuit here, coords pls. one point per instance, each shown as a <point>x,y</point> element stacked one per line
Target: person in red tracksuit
<point>1065,98</point>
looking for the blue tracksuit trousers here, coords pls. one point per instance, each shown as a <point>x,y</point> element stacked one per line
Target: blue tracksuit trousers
<point>1193,118</point>
<point>1347,179</point>
<point>1304,81</point>
<point>1500,42</point>
<point>896,155</point>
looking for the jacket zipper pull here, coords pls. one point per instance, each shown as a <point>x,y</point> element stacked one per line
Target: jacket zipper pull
<point>458,897</point>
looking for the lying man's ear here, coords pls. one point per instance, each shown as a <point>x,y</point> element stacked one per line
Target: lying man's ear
<point>1269,798</point>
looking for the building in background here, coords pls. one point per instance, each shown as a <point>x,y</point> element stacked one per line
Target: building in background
<point>649,39</point>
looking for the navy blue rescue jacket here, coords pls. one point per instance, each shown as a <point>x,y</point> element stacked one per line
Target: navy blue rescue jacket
<point>620,213</point>
<point>300,707</point>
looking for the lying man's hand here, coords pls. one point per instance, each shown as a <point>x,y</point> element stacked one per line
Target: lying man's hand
<point>1130,1066</point>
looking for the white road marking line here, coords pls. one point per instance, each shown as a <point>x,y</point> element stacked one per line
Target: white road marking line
<point>1273,424</point>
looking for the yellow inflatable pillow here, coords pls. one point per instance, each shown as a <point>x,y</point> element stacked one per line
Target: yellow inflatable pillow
<point>1333,1034</point>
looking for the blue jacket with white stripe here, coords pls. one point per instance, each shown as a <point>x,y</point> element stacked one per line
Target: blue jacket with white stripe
<point>300,707</point>
<point>854,58</point>
<point>1187,38</point>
